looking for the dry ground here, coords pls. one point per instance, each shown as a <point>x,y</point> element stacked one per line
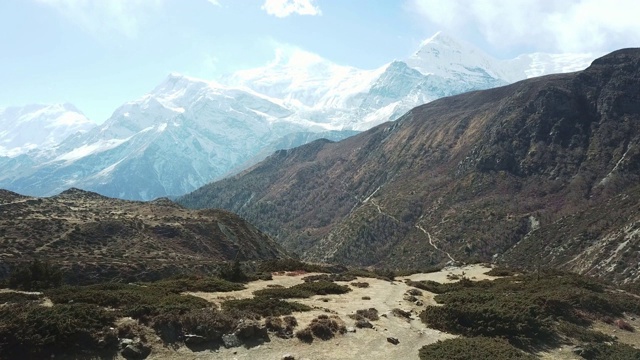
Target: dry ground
<point>364,343</point>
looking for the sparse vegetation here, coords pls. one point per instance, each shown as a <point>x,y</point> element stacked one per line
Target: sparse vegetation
<point>18,297</point>
<point>35,275</point>
<point>303,290</point>
<point>137,301</point>
<point>523,309</point>
<point>278,265</point>
<point>472,349</point>
<point>329,277</point>
<point>501,271</point>
<point>33,331</point>
<point>369,314</point>
<point>282,327</point>
<point>615,351</point>
<point>323,327</point>
<point>360,284</point>
<point>264,306</point>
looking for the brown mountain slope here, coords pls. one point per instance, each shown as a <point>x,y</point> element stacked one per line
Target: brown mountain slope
<point>460,178</point>
<point>95,235</point>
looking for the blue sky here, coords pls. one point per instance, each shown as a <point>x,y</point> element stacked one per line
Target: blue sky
<point>98,54</point>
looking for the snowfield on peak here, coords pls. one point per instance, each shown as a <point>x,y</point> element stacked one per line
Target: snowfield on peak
<point>187,132</point>
<point>38,127</point>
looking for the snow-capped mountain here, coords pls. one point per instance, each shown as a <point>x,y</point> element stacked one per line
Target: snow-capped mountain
<point>38,127</point>
<point>188,132</point>
<point>178,137</point>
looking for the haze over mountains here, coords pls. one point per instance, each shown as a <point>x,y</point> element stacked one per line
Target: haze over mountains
<point>188,132</point>
<point>543,171</point>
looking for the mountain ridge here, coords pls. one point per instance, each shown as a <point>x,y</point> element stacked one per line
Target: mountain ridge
<point>462,177</point>
<point>187,132</point>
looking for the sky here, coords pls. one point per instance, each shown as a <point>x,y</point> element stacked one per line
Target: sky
<point>99,54</point>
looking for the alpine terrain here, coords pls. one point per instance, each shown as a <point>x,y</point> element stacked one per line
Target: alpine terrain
<point>92,237</point>
<point>187,132</point>
<point>541,172</point>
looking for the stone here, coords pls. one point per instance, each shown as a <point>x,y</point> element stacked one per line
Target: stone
<point>135,351</point>
<point>251,330</point>
<point>364,324</point>
<point>393,340</point>
<point>351,329</point>
<point>191,339</point>
<point>419,303</point>
<point>230,341</point>
<point>288,357</point>
<point>414,292</point>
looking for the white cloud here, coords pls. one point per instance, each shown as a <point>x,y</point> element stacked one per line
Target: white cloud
<point>214,2</point>
<point>567,25</point>
<point>284,8</point>
<point>123,16</point>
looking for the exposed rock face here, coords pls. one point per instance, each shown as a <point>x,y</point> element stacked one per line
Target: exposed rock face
<point>465,177</point>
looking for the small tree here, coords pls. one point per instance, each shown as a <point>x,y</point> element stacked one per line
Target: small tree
<point>36,275</point>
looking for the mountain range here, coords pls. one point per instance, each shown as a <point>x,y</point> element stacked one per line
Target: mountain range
<point>542,172</point>
<point>188,132</point>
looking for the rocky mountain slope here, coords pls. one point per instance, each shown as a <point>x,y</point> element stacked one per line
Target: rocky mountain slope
<point>188,132</point>
<point>473,176</point>
<point>96,236</point>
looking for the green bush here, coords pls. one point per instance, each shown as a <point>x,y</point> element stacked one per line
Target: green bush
<point>36,275</point>
<point>523,309</point>
<point>291,265</point>
<point>196,283</point>
<point>33,331</point>
<point>581,334</point>
<point>304,290</point>
<point>329,277</point>
<point>614,351</point>
<point>264,306</point>
<point>501,271</point>
<point>472,349</point>
<point>137,301</point>
<point>370,314</point>
<point>18,298</point>
<point>208,323</point>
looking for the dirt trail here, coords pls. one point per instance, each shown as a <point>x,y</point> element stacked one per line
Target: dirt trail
<point>364,343</point>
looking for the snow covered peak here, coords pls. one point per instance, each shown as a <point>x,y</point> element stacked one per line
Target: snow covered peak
<point>38,126</point>
<point>447,57</point>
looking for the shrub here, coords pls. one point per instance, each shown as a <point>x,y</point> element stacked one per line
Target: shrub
<point>140,302</point>
<point>277,265</point>
<point>36,275</point>
<point>303,290</point>
<point>233,273</point>
<point>281,327</point>
<point>33,331</point>
<point>264,306</point>
<point>581,334</point>
<point>18,298</point>
<point>501,271</point>
<point>472,349</point>
<point>195,283</point>
<point>305,335</point>
<point>208,323</point>
<point>623,325</point>
<point>329,277</point>
<point>371,314</point>
<point>360,284</point>
<point>322,327</point>
<point>523,309</point>
<point>615,351</point>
